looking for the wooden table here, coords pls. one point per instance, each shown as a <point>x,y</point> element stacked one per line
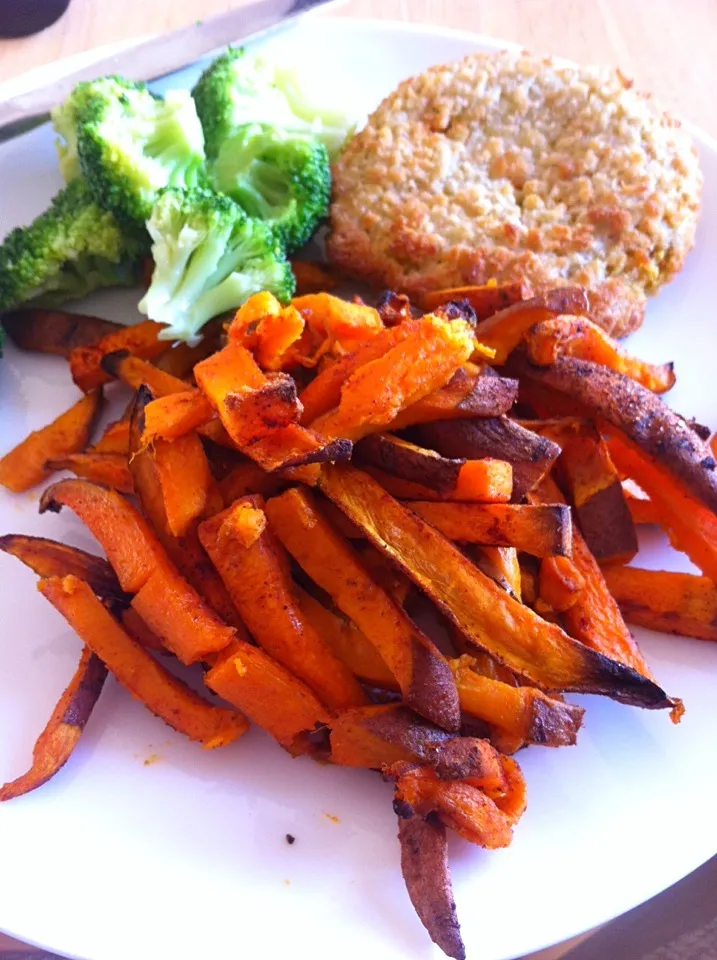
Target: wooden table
<point>665,47</point>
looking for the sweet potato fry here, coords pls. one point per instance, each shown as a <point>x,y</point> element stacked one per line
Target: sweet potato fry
<point>485,481</point>
<point>502,566</point>
<point>181,359</point>
<point>469,393</point>
<point>523,712</point>
<point>486,300</point>
<point>340,321</point>
<point>641,417</point>
<point>256,573</point>
<point>109,469</point>
<point>393,308</point>
<point>378,391</point>
<point>176,415</point>
<point>168,604</point>
<point>422,674</point>
<point>376,736</point>
<point>530,455</point>
<point>55,744</point>
<point>139,631</point>
<point>268,694</point>
<point>135,372</point>
<point>48,558</point>
<point>166,696</point>
<point>185,479</point>
<point>185,552</point>
<point>141,340</point>
<point>643,511</point>
<point>54,331</point>
<point>594,618</point>
<point>247,478</point>
<point>691,527</point>
<point>594,487</point>
<point>268,329</point>
<point>115,438</point>
<point>579,337</point>
<point>424,865</point>
<point>540,531</point>
<point>347,643</point>
<point>503,331</point>
<point>26,464</point>
<point>312,276</point>
<point>487,616</point>
<point>678,603</point>
<point>560,583</point>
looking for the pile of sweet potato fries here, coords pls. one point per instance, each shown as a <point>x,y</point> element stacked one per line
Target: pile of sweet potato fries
<point>282,503</point>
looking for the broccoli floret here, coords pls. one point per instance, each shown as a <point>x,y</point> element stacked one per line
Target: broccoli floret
<point>133,144</point>
<point>237,89</point>
<point>71,249</point>
<point>283,180</point>
<point>65,119</point>
<point>209,257</point>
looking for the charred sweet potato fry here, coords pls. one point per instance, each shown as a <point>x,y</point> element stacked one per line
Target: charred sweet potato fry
<point>255,571</point>
<point>579,337</point>
<point>115,438</point>
<point>540,531</point>
<point>691,527</point>
<point>185,552</point>
<point>672,602</point>
<point>640,416</point>
<point>422,674</point>
<point>523,712</point>
<point>469,393</point>
<point>313,277</point>
<point>530,455</point>
<point>26,464</point>
<point>166,696</point>
<point>54,331</point>
<point>594,487</point>
<point>503,331</point>
<point>168,604</point>
<point>376,736</point>
<point>109,469</point>
<point>55,744</point>
<point>393,308</point>
<point>487,616</point>
<point>485,481</point>
<point>424,865</point>
<point>378,391</point>
<point>135,372</point>
<point>141,340</point>
<point>267,693</point>
<point>48,558</point>
<point>486,300</point>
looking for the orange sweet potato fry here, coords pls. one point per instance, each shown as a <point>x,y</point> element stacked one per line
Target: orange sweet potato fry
<point>485,300</point>
<point>579,337</point>
<point>139,631</point>
<point>166,696</point>
<point>267,693</point>
<point>176,415</point>
<point>135,372</point>
<point>48,558</point>
<point>168,604</point>
<point>115,438</point>
<point>422,674</point>
<point>690,525</point>
<point>643,510</point>
<point>503,331</point>
<point>678,603</point>
<point>256,573</point>
<point>376,736</point>
<point>486,615</point>
<point>141,340</point>
<point>378,391</point>
<point>185,479</point>
<point>247,478</point>
<point>560,583</point>
<point>55,744</point>
<point>501,564</point>
<point>109,469</point>
<point>313,277</point>
<point>340,321</point>
<point>489,481</point>
<point>468,394</point>
<point>26,465</point>
<point>266,328</point>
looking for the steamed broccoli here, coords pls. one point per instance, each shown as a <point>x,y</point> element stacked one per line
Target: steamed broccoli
<point>280,179</point>
<point>132,144</point>
<point>65,119</point>
<point>209,257</point>
<point>237,89</point>
<point>71,249</point>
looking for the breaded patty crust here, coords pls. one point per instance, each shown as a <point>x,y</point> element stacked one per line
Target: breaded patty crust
<point>507,166</point>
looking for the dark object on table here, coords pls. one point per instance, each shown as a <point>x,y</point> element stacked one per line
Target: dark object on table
<point>21,18</point>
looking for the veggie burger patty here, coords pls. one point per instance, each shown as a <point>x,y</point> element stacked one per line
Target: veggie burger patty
<point>513,167</point>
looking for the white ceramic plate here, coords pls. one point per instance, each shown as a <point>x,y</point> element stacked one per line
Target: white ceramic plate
<point>185,856</point>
